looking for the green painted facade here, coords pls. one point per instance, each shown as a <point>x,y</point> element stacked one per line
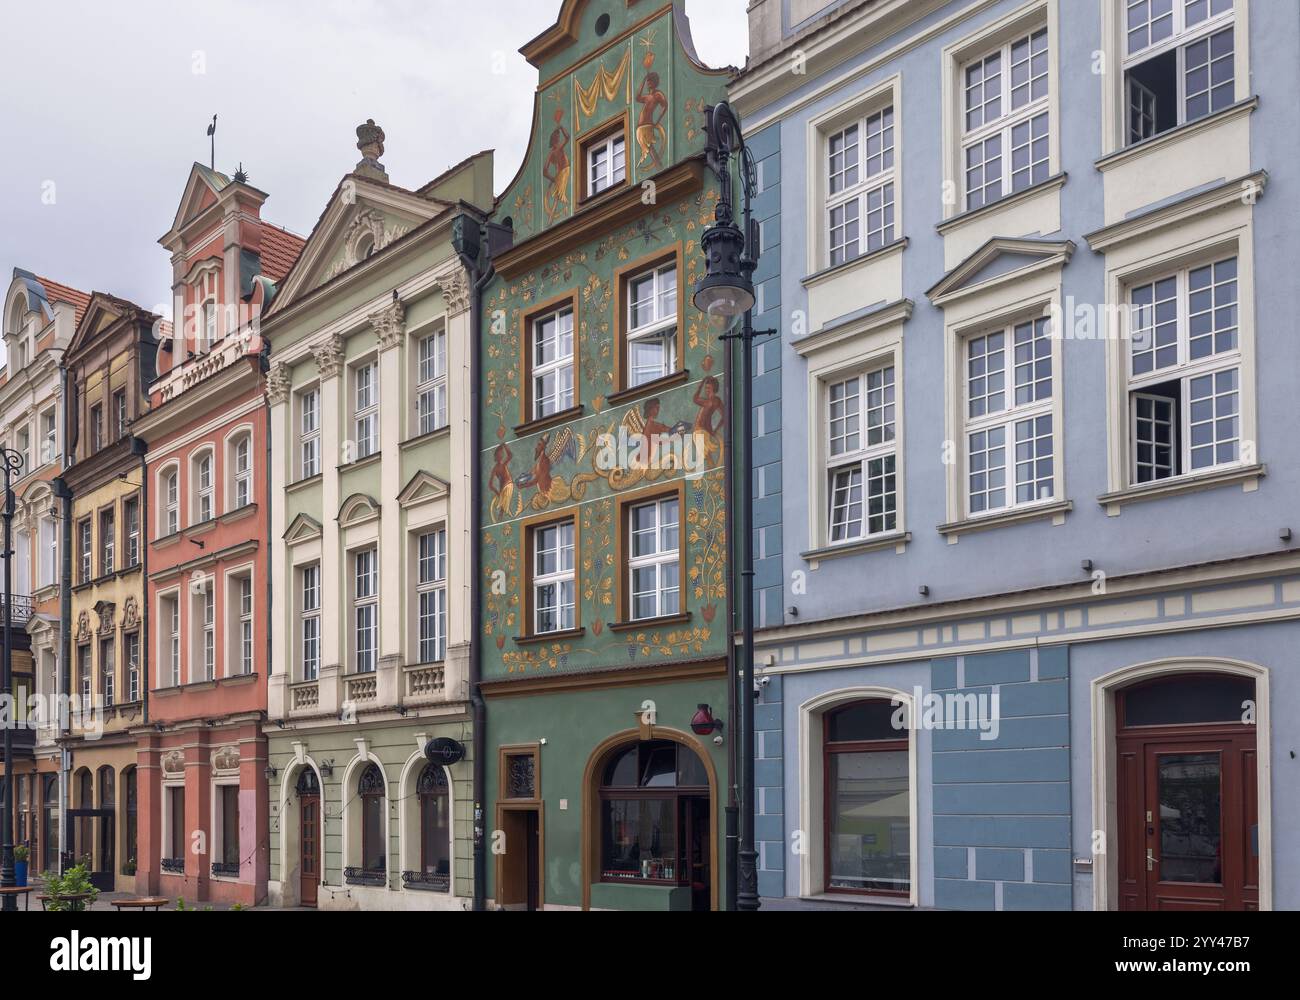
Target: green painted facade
<point>607,68</point>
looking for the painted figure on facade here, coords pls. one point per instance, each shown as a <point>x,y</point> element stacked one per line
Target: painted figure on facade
<point>651,136</point>
<point>557,169</point>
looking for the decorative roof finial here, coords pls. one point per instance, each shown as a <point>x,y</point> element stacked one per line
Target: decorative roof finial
<point>370,140</point>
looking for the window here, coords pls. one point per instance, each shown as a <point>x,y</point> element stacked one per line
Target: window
<point>652,314</point>
<point>24,447</point>
<point>49,436</point>
<point>243,464</point>
<point>433,596</point>
<point>229,830</point>
<point>209,326</point>
<point>435,828</point>
<point>206,614</point>
<point>1009,418</point>
<point>170,640</point>
<point>131,531</point>
<point>366,413</point>
<point>310,580</point>
<point>861,474</point>
<point>867,802</point>
<point>654,813</point>
<point>1006,126</point>
<point>370,789</point>
<point>365,605</point>
<point>552,364</point>
<point>131,794</point>
<point>84,550</point>
<point>606,164</point>
<point>554,579</point>
<point>48,535</point>
<point>654,559</point>
<point>133,667</point>
<point>309,434</point>
<point>860,187</point>
<point>431,382</point>
<point>171,505</point>
<point>107,541</point>
<point>175,830</point>
<point>1185,372</point>
<point>1180,63</point>
<point>96,428</point>
<point>245,585</point>
<point>53,821</point>
<point>119,414</point>
<point>107,672</point>
<point>203,489</point>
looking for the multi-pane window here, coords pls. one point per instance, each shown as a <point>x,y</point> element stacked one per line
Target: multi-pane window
<point>860,187</point>
<point>84,551</point>
<point>96,428</point>
<point>1006,124</point>
<point>133,666</point>
<point>83,676</point>
<point>1185,372</point>
<point>654,559</point>
<point>552,364</point>
<point>107,673</point>
<point>431,382</point>
<point>652,325</point>
<point>243,472</point>
<point>49,436</point>
<point>365,601</point>
<point>554,579</point>
<point>171,617</point>
<point>310,612</point>
<point>107,542</point>
<point>119,413</point>
<point>245,625</point>
<point>606,164</point>
<point>171,503</point>
<point>432,590</point>
<point>1010,425</point>
<point>366,409</point>
<point>208,637</point>
<point>131,532</point>
<point>204,494</point>
<point>209,326</point>
<point>861,449</point>
<point>309,434</point>
<point>1179,63</point>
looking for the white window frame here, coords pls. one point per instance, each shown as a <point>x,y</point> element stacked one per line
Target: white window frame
<point>241,471</point>
<point>169,489</point>
<point>203,618</point>
<point>130,532</point>
<point>107,669</point>
<point>611,175</point>
<point>431,404</point>
<point>309,616</point>
<point>563,397</point>
<point>244,585</point>
<point>169,639</point>
<point>203,488</point>
<point>86,548</point>
<point>365,409</point>
<point>860,193</point>
<point>107,536</point>
<point>1012,416</point>
<point>309,433</point>
<point>1182,36</point>
<point>49,435</point>
<point>431,595</point>
<point>564,578</point>
<point>865,454</point>
<point>365,610</point>
<point>667,599</point>
<point>662,326</point>
<point>132,666</point>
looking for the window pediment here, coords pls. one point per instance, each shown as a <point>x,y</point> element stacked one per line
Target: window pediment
<point>358,509</point>
<point>1000,261</point>
<point>423,488</point>
<point>303,529</point>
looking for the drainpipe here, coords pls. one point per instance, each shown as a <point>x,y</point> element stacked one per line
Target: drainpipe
<point>65,611</point>
<point>141,448</point>
<point>468,241</point>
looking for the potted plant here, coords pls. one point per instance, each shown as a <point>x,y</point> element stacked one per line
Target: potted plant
<point>20,865</point>
<point>71,892</point>
<point>128,869</point>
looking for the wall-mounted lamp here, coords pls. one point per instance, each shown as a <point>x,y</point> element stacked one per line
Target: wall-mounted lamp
<point>195,541</point>
<point>271,772</point>
<point>1087,565</point>
<point>327,768</point>
<point>703,723</point>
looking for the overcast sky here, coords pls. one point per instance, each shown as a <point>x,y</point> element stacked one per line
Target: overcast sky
<point>104,107</point>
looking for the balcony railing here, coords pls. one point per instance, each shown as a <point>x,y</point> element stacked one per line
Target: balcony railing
<point>305,697</point>
<point>427,881</point>
<point>22,610</point>
<point>173,866</point>
<point>225,869</point>
<point>426,683</point>
<point>365,876</point>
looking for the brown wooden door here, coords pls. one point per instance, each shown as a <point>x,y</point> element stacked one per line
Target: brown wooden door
<point>309,810</point>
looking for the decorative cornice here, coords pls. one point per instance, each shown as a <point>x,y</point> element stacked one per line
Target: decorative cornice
<point>389,325</point>
<point>329,357</point>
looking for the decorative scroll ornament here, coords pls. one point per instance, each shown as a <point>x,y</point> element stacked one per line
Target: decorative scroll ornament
<point>83,626</point>
<point>329,357</point>
<point>278,384</point>
<point>226,759</point>
<point>455,293</point>
<point>130,613</point>
<point>107,612</point>
<point>389,325</point>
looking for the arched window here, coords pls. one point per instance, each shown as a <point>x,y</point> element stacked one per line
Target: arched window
<point>131,794</point>
<point>370,789</point>
<point>654,803</point>
<point>50,804</point>
<point>107,831</point>
<point>1187,700</point>
<point>202,488</point>
<point>241,471</point>
<point>867,800</point>
<point>435,830</point>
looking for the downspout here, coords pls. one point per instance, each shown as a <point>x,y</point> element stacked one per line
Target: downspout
<point>470,254</point>
<point>142,667</point>
<point>65,611</point>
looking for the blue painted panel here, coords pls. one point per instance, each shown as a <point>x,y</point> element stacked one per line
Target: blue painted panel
<point>951,894</point>
<point>1031,896</point>
<point>1000,866</point>
<point>997,668</point>
<point>951,862</point>
<point>1053,866</point>
<point>1042,731</point>
<point>1003,765</point>
<point>1002,831</point>
<point>1014,799</point>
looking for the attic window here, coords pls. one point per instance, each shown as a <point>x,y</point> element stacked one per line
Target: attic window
<point>602,25</point>
<point>365,248</point>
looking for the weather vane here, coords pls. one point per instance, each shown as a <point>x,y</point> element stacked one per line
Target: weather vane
<point>212,134</point>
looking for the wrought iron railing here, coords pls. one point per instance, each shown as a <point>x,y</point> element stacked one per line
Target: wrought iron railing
<point>173,866</point>
<point>427,881</point>
<point>22,609</point>
<point>365,876</point>
<point>225,869</point>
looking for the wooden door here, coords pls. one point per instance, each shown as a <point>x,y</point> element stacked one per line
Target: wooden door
<point>310,844</point>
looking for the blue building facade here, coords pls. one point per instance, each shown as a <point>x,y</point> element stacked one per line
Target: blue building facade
<point>1032,641</point>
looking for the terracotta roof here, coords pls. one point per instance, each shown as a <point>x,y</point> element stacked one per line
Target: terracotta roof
<point>280,250</point>
<point>55,292</point>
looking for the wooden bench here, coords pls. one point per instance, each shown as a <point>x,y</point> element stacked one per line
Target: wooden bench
<point>154,903</point>
<point>24,891</point>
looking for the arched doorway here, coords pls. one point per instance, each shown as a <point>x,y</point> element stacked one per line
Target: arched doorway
<point>1186,792</point>
<point>106,856</point>
<point>652,819</point>
<point>309,836</point>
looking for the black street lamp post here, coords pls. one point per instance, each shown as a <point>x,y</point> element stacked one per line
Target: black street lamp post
<point>11,464</point>
<point>727,291</point>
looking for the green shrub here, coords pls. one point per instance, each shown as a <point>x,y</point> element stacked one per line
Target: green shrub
<point>73,882</point>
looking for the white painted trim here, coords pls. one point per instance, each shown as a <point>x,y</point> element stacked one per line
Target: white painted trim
<point>290,880</point>
<point>1105,877</point>
<point>351,810</point>
<point>811,805</point>
<point>408,852</point>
